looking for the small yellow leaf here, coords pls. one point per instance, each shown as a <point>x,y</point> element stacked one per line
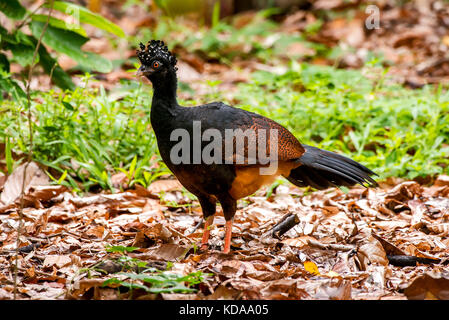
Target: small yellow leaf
<point>311,268</point>
<point>430,296</point>
<point>445,40</point>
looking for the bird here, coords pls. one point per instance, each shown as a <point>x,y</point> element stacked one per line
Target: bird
<point>222,153</point>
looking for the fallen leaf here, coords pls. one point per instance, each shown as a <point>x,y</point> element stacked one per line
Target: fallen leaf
<point>428,286</point>
<point>34,176</point>
<point>57,260</point>
<point>371,252</point>
<point>334,289</point>
<point>311,267</point>
<point>442,229</point>
<point>165,252</point>
<point>165,186</point>
<point>405,191</point>
<point>298,242</point>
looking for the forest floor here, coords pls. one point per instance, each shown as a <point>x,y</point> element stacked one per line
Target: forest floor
<point>384,243</point>
<point>390,242</point>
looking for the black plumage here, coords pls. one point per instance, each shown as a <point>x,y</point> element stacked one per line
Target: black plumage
<point>228,180</point>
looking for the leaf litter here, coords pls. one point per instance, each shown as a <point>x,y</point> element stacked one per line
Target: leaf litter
<point>385,243</point>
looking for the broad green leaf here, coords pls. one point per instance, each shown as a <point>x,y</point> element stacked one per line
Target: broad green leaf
<point>10,86</point>
<point>4,63</point>
<point>60,24</point>
<point>96,62</point>
<point>61,40</point>
<point>7,37</point>
<point>22,54</point>
<point>86,16</point>
<point>12,9</point>
<point>51,66</point>
<point>68,106</point>
<point>69,43</point>
<point>22,38</point>
<point>121,249</point>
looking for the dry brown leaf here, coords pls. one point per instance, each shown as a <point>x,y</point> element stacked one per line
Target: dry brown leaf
<point>390,225</point>
<point>442,229</point>
<point>283,289</point>
<point>143,192</point>
<point>405,191</point>
<point>178,296</point>
<point>12,188</point>
<point>390,249</point>
<point>165,186</point>
<point>120,179</point>
<point>371,252</point>
<point>82,286</point>
<point>337,289</point>
<point>43,193</point>
<point>150,235</point>
<point>95,232</point>
<point>57,261</point>
<point>224,293</point>
<point>411,37</point>
<point>418,209</point>
<point>186,73</point>
<point>298,242</point>
<point>442,180</point>
<point>299,49</point>
<point>428,287</point>
<point>165,252</point>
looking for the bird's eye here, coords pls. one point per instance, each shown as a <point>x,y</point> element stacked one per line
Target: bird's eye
<point>156,65</point>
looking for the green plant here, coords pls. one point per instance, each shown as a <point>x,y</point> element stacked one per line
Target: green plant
<point>61,36</point>
<point>391,129</point>
<point>136,274</point>
<point>154,281</point>
<point>259,39</point>
<point>85,136</point>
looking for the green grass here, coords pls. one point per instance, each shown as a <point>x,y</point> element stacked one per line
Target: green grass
<point>393,130</point>
<point>136,274</point>
<point>89,134</point>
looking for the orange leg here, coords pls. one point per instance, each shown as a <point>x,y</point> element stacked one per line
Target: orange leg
<point>228,235</point>
<point>206,233</point>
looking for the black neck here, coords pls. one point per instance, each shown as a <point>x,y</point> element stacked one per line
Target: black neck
<point>165,89</point>
<point>164,106</point>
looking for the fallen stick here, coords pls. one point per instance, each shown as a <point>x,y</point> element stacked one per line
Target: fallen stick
<point>409,261</point>
<point>330,246</point>
<point>286,223</point>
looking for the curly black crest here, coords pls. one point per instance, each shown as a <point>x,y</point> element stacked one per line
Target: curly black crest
<point>156,49</point>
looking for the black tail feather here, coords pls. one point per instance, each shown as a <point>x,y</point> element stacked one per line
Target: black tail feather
<point>322,169</point>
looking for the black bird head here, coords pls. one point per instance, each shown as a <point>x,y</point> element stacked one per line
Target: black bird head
<point>156,60</point>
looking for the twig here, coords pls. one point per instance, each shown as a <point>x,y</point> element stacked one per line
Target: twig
<point>330,246</point>
<point>405,261</point>
<point>27,17</point>
<point>286,223</point>
<point>30,151</point>
<point>179,234</point>
<point>196,226</point>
